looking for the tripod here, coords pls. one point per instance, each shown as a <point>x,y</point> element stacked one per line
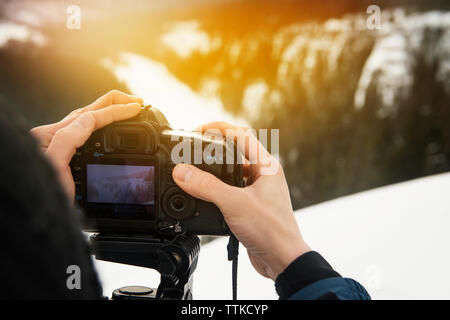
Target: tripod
<point>174,258</point>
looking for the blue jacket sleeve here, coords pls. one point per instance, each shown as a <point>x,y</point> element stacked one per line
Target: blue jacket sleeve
<point>334,289</point>
<point>310,277</point>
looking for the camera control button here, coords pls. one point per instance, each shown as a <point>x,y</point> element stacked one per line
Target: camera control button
<point>138,290</point>
<point>170,165</point>
<point>169,168</point>
<point>98,146</point>
<point>76,161</point>
<point>89,148</point>
<point>76,175</point>
<point>177,204</point>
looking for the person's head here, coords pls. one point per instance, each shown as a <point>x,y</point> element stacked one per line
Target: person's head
<point>41,235</point>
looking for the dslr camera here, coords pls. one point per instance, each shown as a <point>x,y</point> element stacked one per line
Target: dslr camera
<point>123,178</point>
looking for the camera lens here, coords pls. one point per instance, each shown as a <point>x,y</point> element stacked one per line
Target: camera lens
<point>177,203</point>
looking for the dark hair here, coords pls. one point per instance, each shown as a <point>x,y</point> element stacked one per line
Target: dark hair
<point>40,234</point>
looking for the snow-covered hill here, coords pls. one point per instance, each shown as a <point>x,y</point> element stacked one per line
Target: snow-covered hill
<point>393,239</point>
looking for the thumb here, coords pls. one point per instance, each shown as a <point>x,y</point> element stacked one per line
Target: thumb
<point>205,186</point>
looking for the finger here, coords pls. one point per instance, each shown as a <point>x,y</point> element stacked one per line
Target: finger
<point>112,97</point>
<point>247,169</point>
<point>221,125</point>
<point>205,186</point>
<point>43,134</point>
<point>213,132</point>
<point>246,139</point>
<point>113,113</point>
<point>68,139</point>
<point>247,143</point>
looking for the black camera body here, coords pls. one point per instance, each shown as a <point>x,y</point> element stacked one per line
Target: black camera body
<point>123,179</point>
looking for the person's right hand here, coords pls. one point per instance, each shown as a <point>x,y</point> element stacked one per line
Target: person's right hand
<point>259,215</point>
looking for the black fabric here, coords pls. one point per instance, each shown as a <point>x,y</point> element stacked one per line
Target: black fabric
<point>40,235</point>
<point>233,254</point>
<point>303,271</point>
<point>329,296</point>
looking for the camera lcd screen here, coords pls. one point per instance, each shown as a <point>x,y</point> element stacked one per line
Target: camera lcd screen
<point>126,184</point>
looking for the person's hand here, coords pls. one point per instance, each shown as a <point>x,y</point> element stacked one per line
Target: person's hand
<point>59,141</point>
<point>259,215</point>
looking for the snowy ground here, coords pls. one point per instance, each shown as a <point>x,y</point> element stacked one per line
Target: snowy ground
<point>393,239</point>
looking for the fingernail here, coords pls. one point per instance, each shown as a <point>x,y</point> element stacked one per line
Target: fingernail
<point>86,121</point>
<point>182,172</point>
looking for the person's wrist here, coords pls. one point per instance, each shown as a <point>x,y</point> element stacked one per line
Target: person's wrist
<point>286,257</point>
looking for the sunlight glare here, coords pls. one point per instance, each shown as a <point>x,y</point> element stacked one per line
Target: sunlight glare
<point>184,108</point>
<point>185,38</point>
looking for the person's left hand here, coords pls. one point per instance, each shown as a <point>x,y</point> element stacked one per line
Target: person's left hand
<point>59,141</point>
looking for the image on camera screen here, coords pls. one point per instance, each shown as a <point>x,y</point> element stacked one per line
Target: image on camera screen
<point>120,184</point>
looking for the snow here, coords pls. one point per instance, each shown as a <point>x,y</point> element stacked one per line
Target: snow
<point>12,31</point>
<point>393,239</point>
<point>185,38</point>
<point>253,100</point>
<point>398,44</point>
<point>153,82</point>
<point>391,56</point>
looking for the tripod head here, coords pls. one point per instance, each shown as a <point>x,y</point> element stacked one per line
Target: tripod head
<point>174,258</point>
